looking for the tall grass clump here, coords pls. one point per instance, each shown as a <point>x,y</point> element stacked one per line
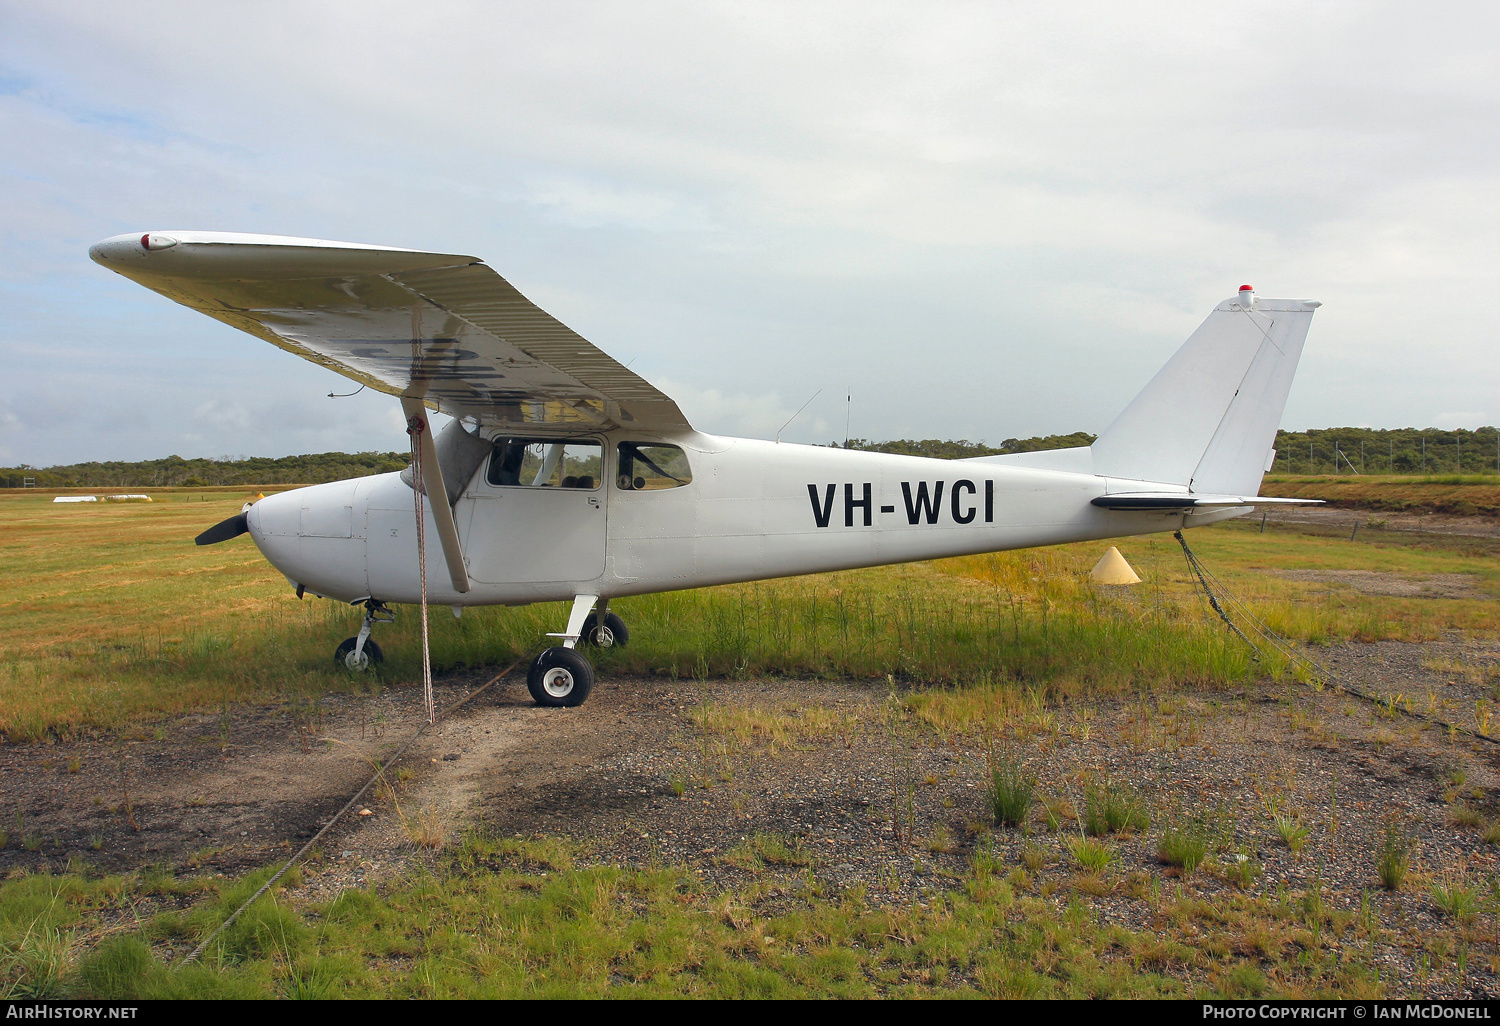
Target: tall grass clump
<point>34,964</point>
<point>1012,792</point>
<point>1113,807</point>
<point>1397,845</point>
<point>1182,846</point>
<point>1456,898</point>
<point>1090,855</point>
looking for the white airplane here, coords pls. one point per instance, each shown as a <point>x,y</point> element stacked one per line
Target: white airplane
<point>564,476</point>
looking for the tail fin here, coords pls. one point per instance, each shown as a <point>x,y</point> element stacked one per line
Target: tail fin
<point>1209,417</point>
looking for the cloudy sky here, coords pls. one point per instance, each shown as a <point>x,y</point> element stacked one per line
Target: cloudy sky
<point>979,220</point>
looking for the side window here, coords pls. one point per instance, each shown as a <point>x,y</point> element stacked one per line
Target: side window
<point>546,463</point>
<point>651,466</point>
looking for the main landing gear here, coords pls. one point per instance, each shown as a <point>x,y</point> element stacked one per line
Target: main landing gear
<point>560,676</point>
<point>360,653</point>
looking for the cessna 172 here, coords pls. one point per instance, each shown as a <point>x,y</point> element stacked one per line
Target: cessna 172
<point>565,477</point>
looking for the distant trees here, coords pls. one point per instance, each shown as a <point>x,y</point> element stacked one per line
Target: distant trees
<point>174,471</point>
<point>1316,451</point>
<point>964,449</point>
<point>1387,451</point>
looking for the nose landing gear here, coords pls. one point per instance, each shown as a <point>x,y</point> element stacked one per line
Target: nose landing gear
<point>560,676</point>
<point>359,653</point>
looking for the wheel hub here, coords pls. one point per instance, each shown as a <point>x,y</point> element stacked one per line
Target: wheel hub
<point>604,637</point>
<point>558,682</point>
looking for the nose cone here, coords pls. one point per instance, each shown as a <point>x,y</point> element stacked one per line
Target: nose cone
<point>310,535</point>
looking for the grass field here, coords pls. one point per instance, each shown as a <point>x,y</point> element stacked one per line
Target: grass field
<point>504,918</point>
<point>114,618</point>
<point>113,615</point>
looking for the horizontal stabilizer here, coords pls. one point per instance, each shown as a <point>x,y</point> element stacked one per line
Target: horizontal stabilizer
<point>224,530</point>
<point>1185,500</point>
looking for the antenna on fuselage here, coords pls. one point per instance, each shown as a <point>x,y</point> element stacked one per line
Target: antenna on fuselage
<point>797,414</point>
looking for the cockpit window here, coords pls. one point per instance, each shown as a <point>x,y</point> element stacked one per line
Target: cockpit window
<point>546,463</point>
<point>651,466</point>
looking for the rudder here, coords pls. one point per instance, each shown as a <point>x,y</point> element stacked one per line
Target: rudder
<point>1208,418</point>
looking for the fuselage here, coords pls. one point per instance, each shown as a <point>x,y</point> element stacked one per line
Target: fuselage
<point>748,510</point>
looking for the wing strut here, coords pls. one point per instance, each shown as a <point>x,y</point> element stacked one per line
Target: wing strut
<point>437,493</point>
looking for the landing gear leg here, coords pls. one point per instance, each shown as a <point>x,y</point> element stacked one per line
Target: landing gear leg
<point>604,629</point>
<point>560,676</point>
<point>359,653</point>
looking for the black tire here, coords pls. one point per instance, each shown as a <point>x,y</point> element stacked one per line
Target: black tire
<point>560,677</point>
<point>373,656</point>
<point>619,635</point>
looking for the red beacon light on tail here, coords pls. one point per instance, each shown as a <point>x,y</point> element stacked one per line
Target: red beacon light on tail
<point>1247,296</point>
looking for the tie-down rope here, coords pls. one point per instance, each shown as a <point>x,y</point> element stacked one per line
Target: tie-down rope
<point>1201,578</point>
<point>414,427</point>
<point>380,768</point>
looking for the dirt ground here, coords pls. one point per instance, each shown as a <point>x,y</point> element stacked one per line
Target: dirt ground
<point>635,779</point>
<point>1417,521</point>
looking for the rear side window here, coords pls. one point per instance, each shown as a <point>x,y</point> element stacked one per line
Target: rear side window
<point>652,466</point>
<point>546,463</point>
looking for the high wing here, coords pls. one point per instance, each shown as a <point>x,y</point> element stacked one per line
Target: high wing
<point>438,327</point>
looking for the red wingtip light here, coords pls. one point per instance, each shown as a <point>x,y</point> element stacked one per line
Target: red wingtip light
<point>145,241</point>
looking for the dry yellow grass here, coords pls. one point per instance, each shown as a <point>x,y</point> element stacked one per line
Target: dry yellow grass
<point>112,614</point>
<point>110,610</point>
<point>1467,494</point>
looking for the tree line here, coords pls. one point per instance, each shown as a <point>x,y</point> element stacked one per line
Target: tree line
<point>962,449</point>
<point>174,471</point>
<point>1316,451</point>
<point>1388,451</point>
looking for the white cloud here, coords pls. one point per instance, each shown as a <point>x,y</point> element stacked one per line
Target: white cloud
<point>980,220</point>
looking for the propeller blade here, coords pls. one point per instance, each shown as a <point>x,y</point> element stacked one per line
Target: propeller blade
<point>231,528</point>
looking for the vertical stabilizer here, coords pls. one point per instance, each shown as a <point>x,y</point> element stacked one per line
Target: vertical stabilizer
<point>1208,419</point>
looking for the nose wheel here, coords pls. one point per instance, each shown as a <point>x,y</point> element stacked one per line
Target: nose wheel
<point>560,677</point>
<point>360,653</point>
<point>351,657</point>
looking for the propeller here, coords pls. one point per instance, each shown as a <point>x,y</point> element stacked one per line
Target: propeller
<point>224,530</point>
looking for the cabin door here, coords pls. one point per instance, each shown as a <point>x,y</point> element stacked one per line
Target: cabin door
<point>536,513</point>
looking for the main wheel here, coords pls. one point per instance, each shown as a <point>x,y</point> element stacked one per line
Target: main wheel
<point>369,656</point>
<point>560,677</point>
<point>611,635</point>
